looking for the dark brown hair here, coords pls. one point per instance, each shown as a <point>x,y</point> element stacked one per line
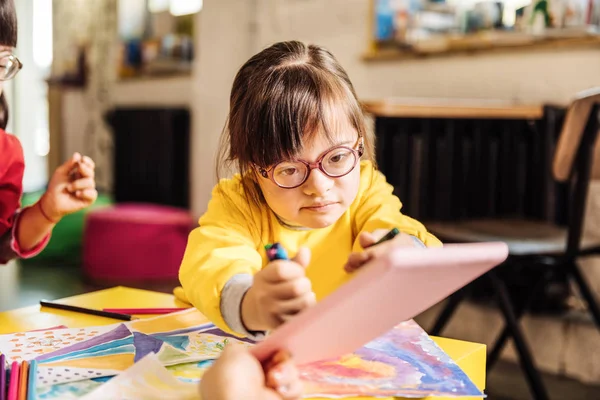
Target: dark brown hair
<point>281,98</point>
<point>8,37</point>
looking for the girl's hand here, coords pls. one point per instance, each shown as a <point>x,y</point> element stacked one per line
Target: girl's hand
<point>368,239</point>
<point>71,188</point>
<point>280,290</point>
<point>277,380</point>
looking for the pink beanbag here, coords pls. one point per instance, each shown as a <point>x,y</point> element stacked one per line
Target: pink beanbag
<point>135,242</point>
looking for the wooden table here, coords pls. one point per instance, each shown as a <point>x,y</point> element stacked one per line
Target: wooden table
<point>469,356</point>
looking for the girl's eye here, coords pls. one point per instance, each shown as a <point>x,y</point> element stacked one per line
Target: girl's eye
<point>338,157</point>
<point>286,171</point>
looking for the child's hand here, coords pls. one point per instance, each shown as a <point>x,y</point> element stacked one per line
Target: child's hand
<point>71,188</point>
<point>238,375</point>
<point>283,377</point>
<point>279,291</point>
<point>367,239</point>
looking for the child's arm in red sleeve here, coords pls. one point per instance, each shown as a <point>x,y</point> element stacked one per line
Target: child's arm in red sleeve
<point>12,167</point>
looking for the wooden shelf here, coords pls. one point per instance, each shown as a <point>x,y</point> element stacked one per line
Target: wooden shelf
<point>483,44</point>
<point>155,77</point>
<point>452,108</point>
<point>168,91</point>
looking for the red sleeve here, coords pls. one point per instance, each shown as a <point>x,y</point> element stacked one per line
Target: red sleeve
<point>15,248</point>
<point>12,166</point>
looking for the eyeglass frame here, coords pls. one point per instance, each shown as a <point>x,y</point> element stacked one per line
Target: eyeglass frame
<point>267,173</point>
<point>12,58</point>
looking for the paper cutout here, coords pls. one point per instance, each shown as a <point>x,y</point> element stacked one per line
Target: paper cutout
<point>120,332</point>
<point>178,342</point>
<point>50,376</point>
<point>148,380</point>
<point>169,355</point>
<point>68,391</point>
<point>119,362</point>
<point>190,372</point>
<point>145,344</point>
<point>122,346</point>
<point>170,322</point>
<point>29,345</point>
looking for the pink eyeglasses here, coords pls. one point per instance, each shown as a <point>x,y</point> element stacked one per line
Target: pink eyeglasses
<point>335,163</point>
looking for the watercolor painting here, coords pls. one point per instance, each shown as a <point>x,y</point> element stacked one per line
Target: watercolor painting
<point>147,379</point>
<point>190,372</point>
<point>405,362</point>
<point>69,390</point>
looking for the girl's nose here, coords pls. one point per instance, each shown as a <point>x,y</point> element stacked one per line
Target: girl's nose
<point>317,183</point>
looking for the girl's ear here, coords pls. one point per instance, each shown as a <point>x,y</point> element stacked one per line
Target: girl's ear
<point>361,146</point>
<point>256,170</point>
<point>263,172</point>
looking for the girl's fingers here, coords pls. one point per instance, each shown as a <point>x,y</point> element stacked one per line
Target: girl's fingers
<point>89,162</point>
<point>81,184</point>
<point>80,166</point>
<point>291,307</point>
<point>74,174</point>
<point>366,239</point>
<point>292,289</point>
<point>70,165</point>
<point>356,260</point>
<point>86,171</point>
<point>281,271</point>
<point>87,194</point>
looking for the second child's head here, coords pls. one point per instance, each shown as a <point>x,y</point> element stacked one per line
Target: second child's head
<point>296,133</point>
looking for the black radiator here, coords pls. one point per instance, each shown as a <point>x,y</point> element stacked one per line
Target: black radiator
<point>151,155</point>
<point>452,169</point>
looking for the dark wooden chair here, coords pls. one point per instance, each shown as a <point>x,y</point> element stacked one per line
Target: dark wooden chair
<point>544,247</point>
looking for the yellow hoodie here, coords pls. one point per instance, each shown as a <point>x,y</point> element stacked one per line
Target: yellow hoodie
<point>227,249</point>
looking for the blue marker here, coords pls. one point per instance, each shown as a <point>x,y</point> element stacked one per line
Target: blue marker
<point>276,252</point>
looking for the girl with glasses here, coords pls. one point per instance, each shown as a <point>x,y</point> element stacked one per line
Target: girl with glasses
<point>25,232</point>
<point>306,178</point>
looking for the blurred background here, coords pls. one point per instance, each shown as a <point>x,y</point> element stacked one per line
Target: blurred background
<point>469,101</point>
